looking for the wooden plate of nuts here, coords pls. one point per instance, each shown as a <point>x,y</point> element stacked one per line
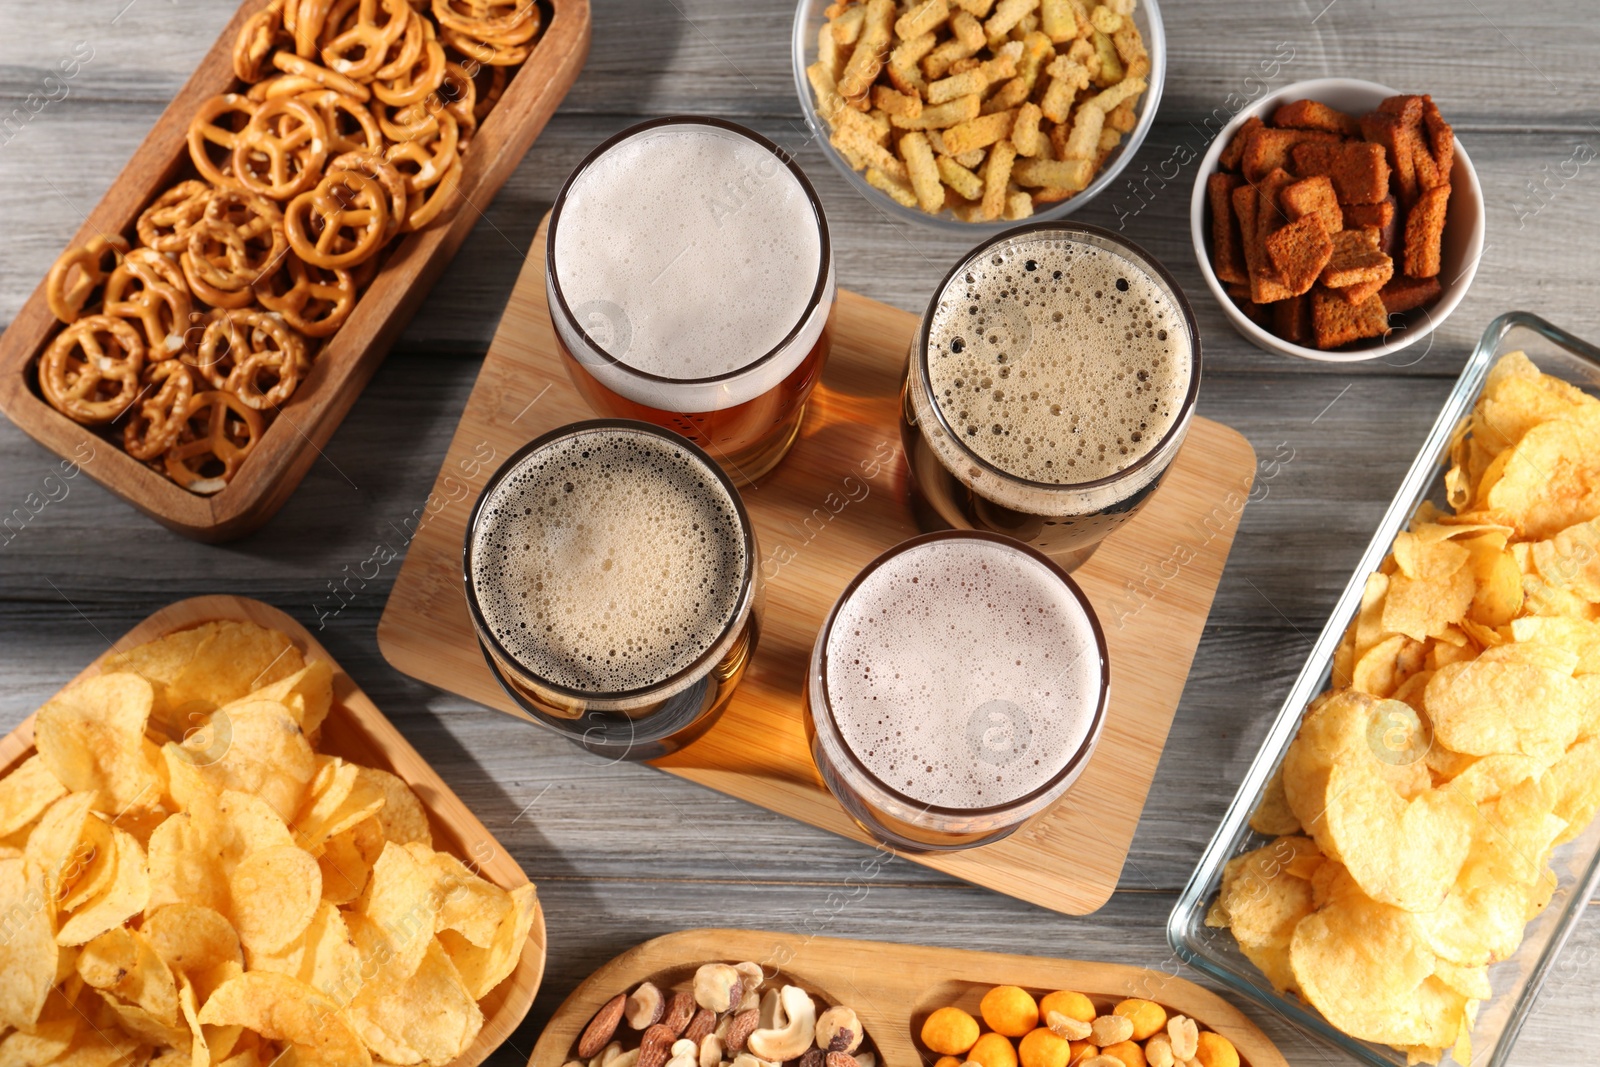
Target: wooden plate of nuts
<point>751,998</point>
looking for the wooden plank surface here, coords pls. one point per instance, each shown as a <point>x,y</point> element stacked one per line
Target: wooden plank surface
<point>622,853</point>
<point>758,750</point>
<point>891,988</point>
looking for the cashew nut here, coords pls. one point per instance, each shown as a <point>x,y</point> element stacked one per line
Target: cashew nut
<point>794,1029</point>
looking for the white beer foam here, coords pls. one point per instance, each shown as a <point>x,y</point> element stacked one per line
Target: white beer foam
<point>608,561</point>
<point>963,673</point>
<point>689,252</point>
<point>1058,361</point>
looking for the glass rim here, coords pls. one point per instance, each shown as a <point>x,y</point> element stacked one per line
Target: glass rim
<point>701,663</point>
<point>824,260</point>
<point>1142,259</point>
<point>819,665</point>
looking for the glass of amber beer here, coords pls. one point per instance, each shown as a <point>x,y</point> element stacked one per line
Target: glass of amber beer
<point>957,688</point>
<point>690,283</point>
<point>610,573</point>
<point>1049,387</point>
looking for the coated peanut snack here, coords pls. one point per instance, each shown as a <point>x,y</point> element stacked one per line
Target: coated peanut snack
<point>728,1017</point>
<point>981,108</point>
<point>346,130</point>
<point>1065,1028</point>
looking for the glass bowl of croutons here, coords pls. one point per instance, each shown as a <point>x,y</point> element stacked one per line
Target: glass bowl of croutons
<point>972,115</point>
<point>1337,220</point>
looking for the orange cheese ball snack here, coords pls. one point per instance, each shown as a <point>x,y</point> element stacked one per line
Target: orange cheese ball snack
<point>950,1032</point>
<point>1072,1005</point>
<point>1147,1017</point>
<point>1083,1050</point>
<point>1009,1010</point>
<point>1216,1051</point>
<point>948,1061</point>
<point>1043,1048</point>
<point>993,1050</point>
<point>1128,1052</point>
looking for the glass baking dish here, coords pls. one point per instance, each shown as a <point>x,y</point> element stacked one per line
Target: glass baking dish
<point>1516,981</point>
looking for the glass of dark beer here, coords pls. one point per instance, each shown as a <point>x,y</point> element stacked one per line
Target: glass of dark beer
<point>690,282</point>
<point>611,577</point>
<point>957,689</point>
<point>1049,387</point>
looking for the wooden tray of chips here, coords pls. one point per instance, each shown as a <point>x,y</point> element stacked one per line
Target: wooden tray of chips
<point>893,988</point>
<point>356,730</point>
<point>837,501</point>
<point>308,419</point>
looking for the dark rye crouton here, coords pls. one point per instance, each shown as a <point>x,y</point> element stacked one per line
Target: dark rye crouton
<point>1335,321</point>
<point>1227,244</point>
<point>1268,149</point>
<point>1383,217</point>
<point>1357,269</point>
<point>1313,196</point>
<point>1299,251</point>
<point>1229,159</point>
<point>1264,287</point>
<point>1359,171</point>
<point>1400,144</point>
<point>1435,152</point>
<point>1313,115</point>
<point>1425,232</point>
<point>1291,319</point>
<point>1406,294</point>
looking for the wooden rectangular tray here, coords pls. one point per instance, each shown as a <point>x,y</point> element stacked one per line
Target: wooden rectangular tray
<point>839,499</point>
<point>303,425</point>
<point>356,730</point>
<point>893,988</point>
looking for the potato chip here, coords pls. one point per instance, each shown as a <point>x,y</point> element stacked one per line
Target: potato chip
<point>93,866</point>
<point>468,904</point>
<point>402,816</point>
<point>403,899</point>
<point>1488,777</point>
<point>47,1042</point>
<point>182,870</point>
<point>193,940</point>
<point>275,893</point>
<point>307,693</point>
<point>28,951</point>
<point>1273,816</point>
<point>1361,964</point>
<point>91,737</point>
<point>122,964</point>
<point>195,671</point>
<point>125,896</point>
<point>1352,723</point>
<point>484,967</point>
<point>1514,698</point>
<point>322,956</point>
<point>1401,852</point>
<point>346,861</point>
<point>1274,962</point>
<point>1549,480</point>
<point>1263,900</point>
<point>285,1010</point>
<point>1572,787</point>
<point>25,793</point>
<point>267,755</point>
<point>429,1016</point>
<point>54,850</point>
<point>337,800</point>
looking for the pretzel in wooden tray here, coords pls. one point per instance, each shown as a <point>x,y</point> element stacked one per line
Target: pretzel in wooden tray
<point>347,131</point>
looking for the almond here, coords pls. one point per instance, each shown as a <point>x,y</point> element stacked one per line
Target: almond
<point>744,1024</point>
<point>598,1033</point>
<point>656,1046</point>
<point>703,1023</point>
<point>680,1009</point>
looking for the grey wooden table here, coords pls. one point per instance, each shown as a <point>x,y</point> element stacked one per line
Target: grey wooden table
<point>622,853</point>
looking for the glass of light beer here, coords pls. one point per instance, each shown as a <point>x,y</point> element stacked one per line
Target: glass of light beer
<point>610,573</point>
<point>1050,385</point>
<point>690,282</point>
<point>957,688</point>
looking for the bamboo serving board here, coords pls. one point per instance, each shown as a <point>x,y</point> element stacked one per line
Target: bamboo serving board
<point>356,730</point>
<point>304,424</point>
<point>893,988</point>
<point>839,499</point>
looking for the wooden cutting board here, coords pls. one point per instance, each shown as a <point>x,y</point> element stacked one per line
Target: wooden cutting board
<point>356,730</point>
<point>893,988</point>
<point>839,499</point>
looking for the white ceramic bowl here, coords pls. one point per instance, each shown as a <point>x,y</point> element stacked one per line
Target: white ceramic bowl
<point>808,19</point>
<point>1463,229</point>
